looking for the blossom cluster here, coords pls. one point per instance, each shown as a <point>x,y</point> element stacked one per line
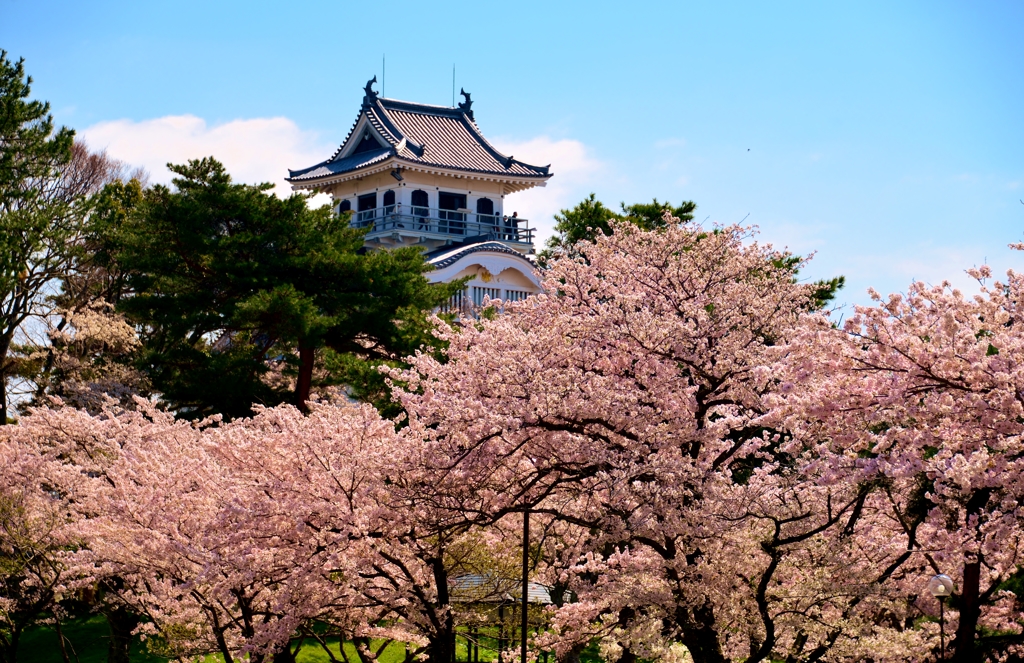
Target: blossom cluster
<point>712,468</point>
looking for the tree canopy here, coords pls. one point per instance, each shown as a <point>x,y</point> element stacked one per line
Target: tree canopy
<point>714,472</point>
<point>38,219</point>
<point>242,298</point>
<point>591,217</point>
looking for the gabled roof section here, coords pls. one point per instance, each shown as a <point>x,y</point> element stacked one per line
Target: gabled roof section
<point>334,167</point>
<point>423,135</point>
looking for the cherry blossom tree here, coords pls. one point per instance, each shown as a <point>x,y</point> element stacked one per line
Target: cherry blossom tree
<point>88,359</point>
<point>921,396</point>
<point>211,550</point>
<point>34,539</point>
<point>631,401</point>
<point>49,463</point>
<point>714,470</point>
<point>153,507</point>
<point>250,538</point>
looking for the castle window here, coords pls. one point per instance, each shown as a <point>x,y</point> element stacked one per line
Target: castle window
<point>488,223</point>
<point>367,207</point>
<point>389,202</point>
<point>449,204</point>
<point>420,203</point>
<point>345,206</point>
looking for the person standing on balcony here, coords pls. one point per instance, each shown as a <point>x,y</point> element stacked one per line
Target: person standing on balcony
<point>512,226</point>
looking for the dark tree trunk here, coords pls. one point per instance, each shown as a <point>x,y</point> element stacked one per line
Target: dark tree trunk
<point>573,655</point>
<point>9,647</point>
<point>121,623</point>
<point>441,648</point>
<point>3,393</point>
<point>970,611</point>
<point>626,615</point>
<point>969,599</point>
<point>284,655</point>
<point>305,381</point>
<point>61,640</point>
<point>5,347</point>
<point>701,637</point>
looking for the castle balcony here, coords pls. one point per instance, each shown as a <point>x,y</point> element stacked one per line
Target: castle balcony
<point>405,225</point>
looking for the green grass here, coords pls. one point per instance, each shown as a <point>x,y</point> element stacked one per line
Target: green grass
<point>88,639</point>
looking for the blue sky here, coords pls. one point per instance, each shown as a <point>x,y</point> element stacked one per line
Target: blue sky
<point>887,137</point>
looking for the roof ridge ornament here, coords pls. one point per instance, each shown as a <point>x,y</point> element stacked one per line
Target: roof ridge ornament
<point>370,96</point>
<point>467,105</point>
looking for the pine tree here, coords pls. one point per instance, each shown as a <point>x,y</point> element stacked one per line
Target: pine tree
<point>38,217</point>
<point>243,298</point>
<point>590,217</point>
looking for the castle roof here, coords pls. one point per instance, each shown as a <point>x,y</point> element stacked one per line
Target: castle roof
<point>394,134</point>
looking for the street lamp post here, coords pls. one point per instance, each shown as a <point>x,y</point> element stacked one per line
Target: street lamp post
<point>941,587</point>
<point>526,580</point>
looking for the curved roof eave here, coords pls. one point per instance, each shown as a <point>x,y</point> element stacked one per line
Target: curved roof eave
<point>514,182</point>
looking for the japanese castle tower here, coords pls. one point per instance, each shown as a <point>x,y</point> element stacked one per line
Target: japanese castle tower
<point>421,175</point>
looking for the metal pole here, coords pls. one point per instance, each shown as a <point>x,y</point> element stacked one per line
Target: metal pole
<point>526,576</point>
<point>501,631</point>
<point>942,629</point>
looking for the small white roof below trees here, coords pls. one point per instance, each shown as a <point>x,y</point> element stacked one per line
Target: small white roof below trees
<point>497,267</point>
<point>486,588</point>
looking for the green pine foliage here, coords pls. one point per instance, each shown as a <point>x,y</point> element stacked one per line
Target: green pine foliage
<point>243,298</point>
<point>35,224</point>
<point>590,217</point>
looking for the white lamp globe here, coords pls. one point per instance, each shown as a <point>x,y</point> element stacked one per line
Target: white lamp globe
<point>941,586</point>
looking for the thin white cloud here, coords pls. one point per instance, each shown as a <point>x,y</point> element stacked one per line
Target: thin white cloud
<point>253,150</point>
<point>574,168</point>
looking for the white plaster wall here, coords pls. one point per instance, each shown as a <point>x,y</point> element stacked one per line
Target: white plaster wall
<point>432,184</point>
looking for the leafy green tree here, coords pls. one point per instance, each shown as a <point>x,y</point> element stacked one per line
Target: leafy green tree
<point>584,221</point>
<point>243,298</point>
<point>590,217</point>
<point>39,216</point>
<point>581,223</point>
<point>649,216</point>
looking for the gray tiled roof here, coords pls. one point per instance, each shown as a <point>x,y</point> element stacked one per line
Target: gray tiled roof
<point>485,588</point>
<point>353,162</point>
<point>424,135</point>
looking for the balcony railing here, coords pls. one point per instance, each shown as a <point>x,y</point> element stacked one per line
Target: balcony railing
<point>470,301</point>
<point>442,222</point>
